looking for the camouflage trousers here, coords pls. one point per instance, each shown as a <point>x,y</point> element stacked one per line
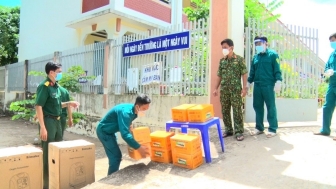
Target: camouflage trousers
<point>228,99</point>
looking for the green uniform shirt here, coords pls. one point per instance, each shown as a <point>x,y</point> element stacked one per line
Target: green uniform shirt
<point>230,71</point>
<point>65,98</point>
<point>265,68</point>
<point>48,96</point>
<point>331,64</point>
<point>119,118</point>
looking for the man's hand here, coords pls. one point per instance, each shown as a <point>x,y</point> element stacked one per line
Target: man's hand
<point>74,104</point>
<point>215,93</point>
<point>43,134</point>
<point>244,92</point>
<point>70,122</point>
<point>143,150</point>
<point>277,87</point>
<point>329,72</point>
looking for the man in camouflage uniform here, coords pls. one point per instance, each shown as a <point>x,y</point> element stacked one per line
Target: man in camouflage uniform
<point>231,70</point>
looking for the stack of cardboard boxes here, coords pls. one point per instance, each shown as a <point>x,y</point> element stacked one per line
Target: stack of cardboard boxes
<point>192,113</point>
<point>161,146</point>
<point>186,150</point>
<point>142,136</point>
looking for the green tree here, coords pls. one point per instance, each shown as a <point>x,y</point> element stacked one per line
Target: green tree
<point>253,9</point>
<point>261,12</point>
<point>9,35</point>
<point>200,12</point>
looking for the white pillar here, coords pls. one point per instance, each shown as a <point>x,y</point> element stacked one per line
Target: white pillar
<point>176,11</point>
<point>236,25</point>
<point>117,4</point>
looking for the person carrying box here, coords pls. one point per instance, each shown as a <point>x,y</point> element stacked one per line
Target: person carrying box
<point>120,118</point>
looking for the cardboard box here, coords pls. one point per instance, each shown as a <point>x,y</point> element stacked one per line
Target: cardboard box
<point>71,164</point>
<point>21,168</point>
<point>161,140</point>
<point>141,134</point>
<point>201,113</point>
<point>135,154</point>
<point>180,113</point>
<point>162,156</point>
<point>188,161</point>
<point>185,143</point>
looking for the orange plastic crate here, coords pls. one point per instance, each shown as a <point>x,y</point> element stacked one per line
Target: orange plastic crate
<point>186,144</point>
<point>188,161</point>
<point>141,134</point>
<point>180,114</point>
<point>163,156</point>
<point>161,140</point>
<point>135,153</point>
<point>201,113</point>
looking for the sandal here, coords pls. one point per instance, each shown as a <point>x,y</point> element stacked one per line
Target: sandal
<point>319,133</point>
<point>270,134</point>
<point>240,137</point>
<point>334,138</point>
<point>226,134</point>
<point>256,132</point>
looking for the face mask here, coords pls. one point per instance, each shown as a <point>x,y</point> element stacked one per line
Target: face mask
<point>58,76</point>
<point>259,49</point>
<point>141,113</point>
<point>225,52</point>
<point>333,44</point>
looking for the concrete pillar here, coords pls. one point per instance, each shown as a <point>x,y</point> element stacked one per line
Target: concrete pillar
<point>176,11</point>
<point>106,75</point>
<point>25,79</point>
<point>115,5</point>
<point>236,25</point>
<point>219,29</point>
<point>57,55</point>
<point>226,21</point>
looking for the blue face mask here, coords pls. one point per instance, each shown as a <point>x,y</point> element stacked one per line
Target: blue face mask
<point>333,44</point>
<point>58,76</point>
<point>259,49</point>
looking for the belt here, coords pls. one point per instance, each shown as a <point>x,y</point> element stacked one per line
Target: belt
<point>53,117</point>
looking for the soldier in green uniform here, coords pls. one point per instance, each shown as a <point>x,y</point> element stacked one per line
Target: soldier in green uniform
<point>66,112</point>
<point>232,70</point>
<point>329,105</point>
<point>266,74</point>
<point>48,110</point>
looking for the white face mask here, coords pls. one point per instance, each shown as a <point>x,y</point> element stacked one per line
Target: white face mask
<point>225,52</point>
<point>141,113</point>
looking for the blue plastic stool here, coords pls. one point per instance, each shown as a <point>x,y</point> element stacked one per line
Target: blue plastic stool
<point>204,128</point>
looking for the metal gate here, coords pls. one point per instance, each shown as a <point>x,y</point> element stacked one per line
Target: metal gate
<point>297,47</point>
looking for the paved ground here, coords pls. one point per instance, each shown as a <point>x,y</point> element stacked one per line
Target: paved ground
<point>293,159</point>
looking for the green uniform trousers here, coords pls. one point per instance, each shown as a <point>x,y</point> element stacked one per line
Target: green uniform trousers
<point>63,124</point>
<point>54,132</point>
<point>112,150</point>
<point>232,98</point>
<point>328,110</point>
<point>265,94</point>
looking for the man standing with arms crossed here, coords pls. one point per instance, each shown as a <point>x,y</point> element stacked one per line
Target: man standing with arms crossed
<point>48,110</point>
<point>231,71</point>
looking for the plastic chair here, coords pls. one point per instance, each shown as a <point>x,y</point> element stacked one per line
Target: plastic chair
<point>204,129</point>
